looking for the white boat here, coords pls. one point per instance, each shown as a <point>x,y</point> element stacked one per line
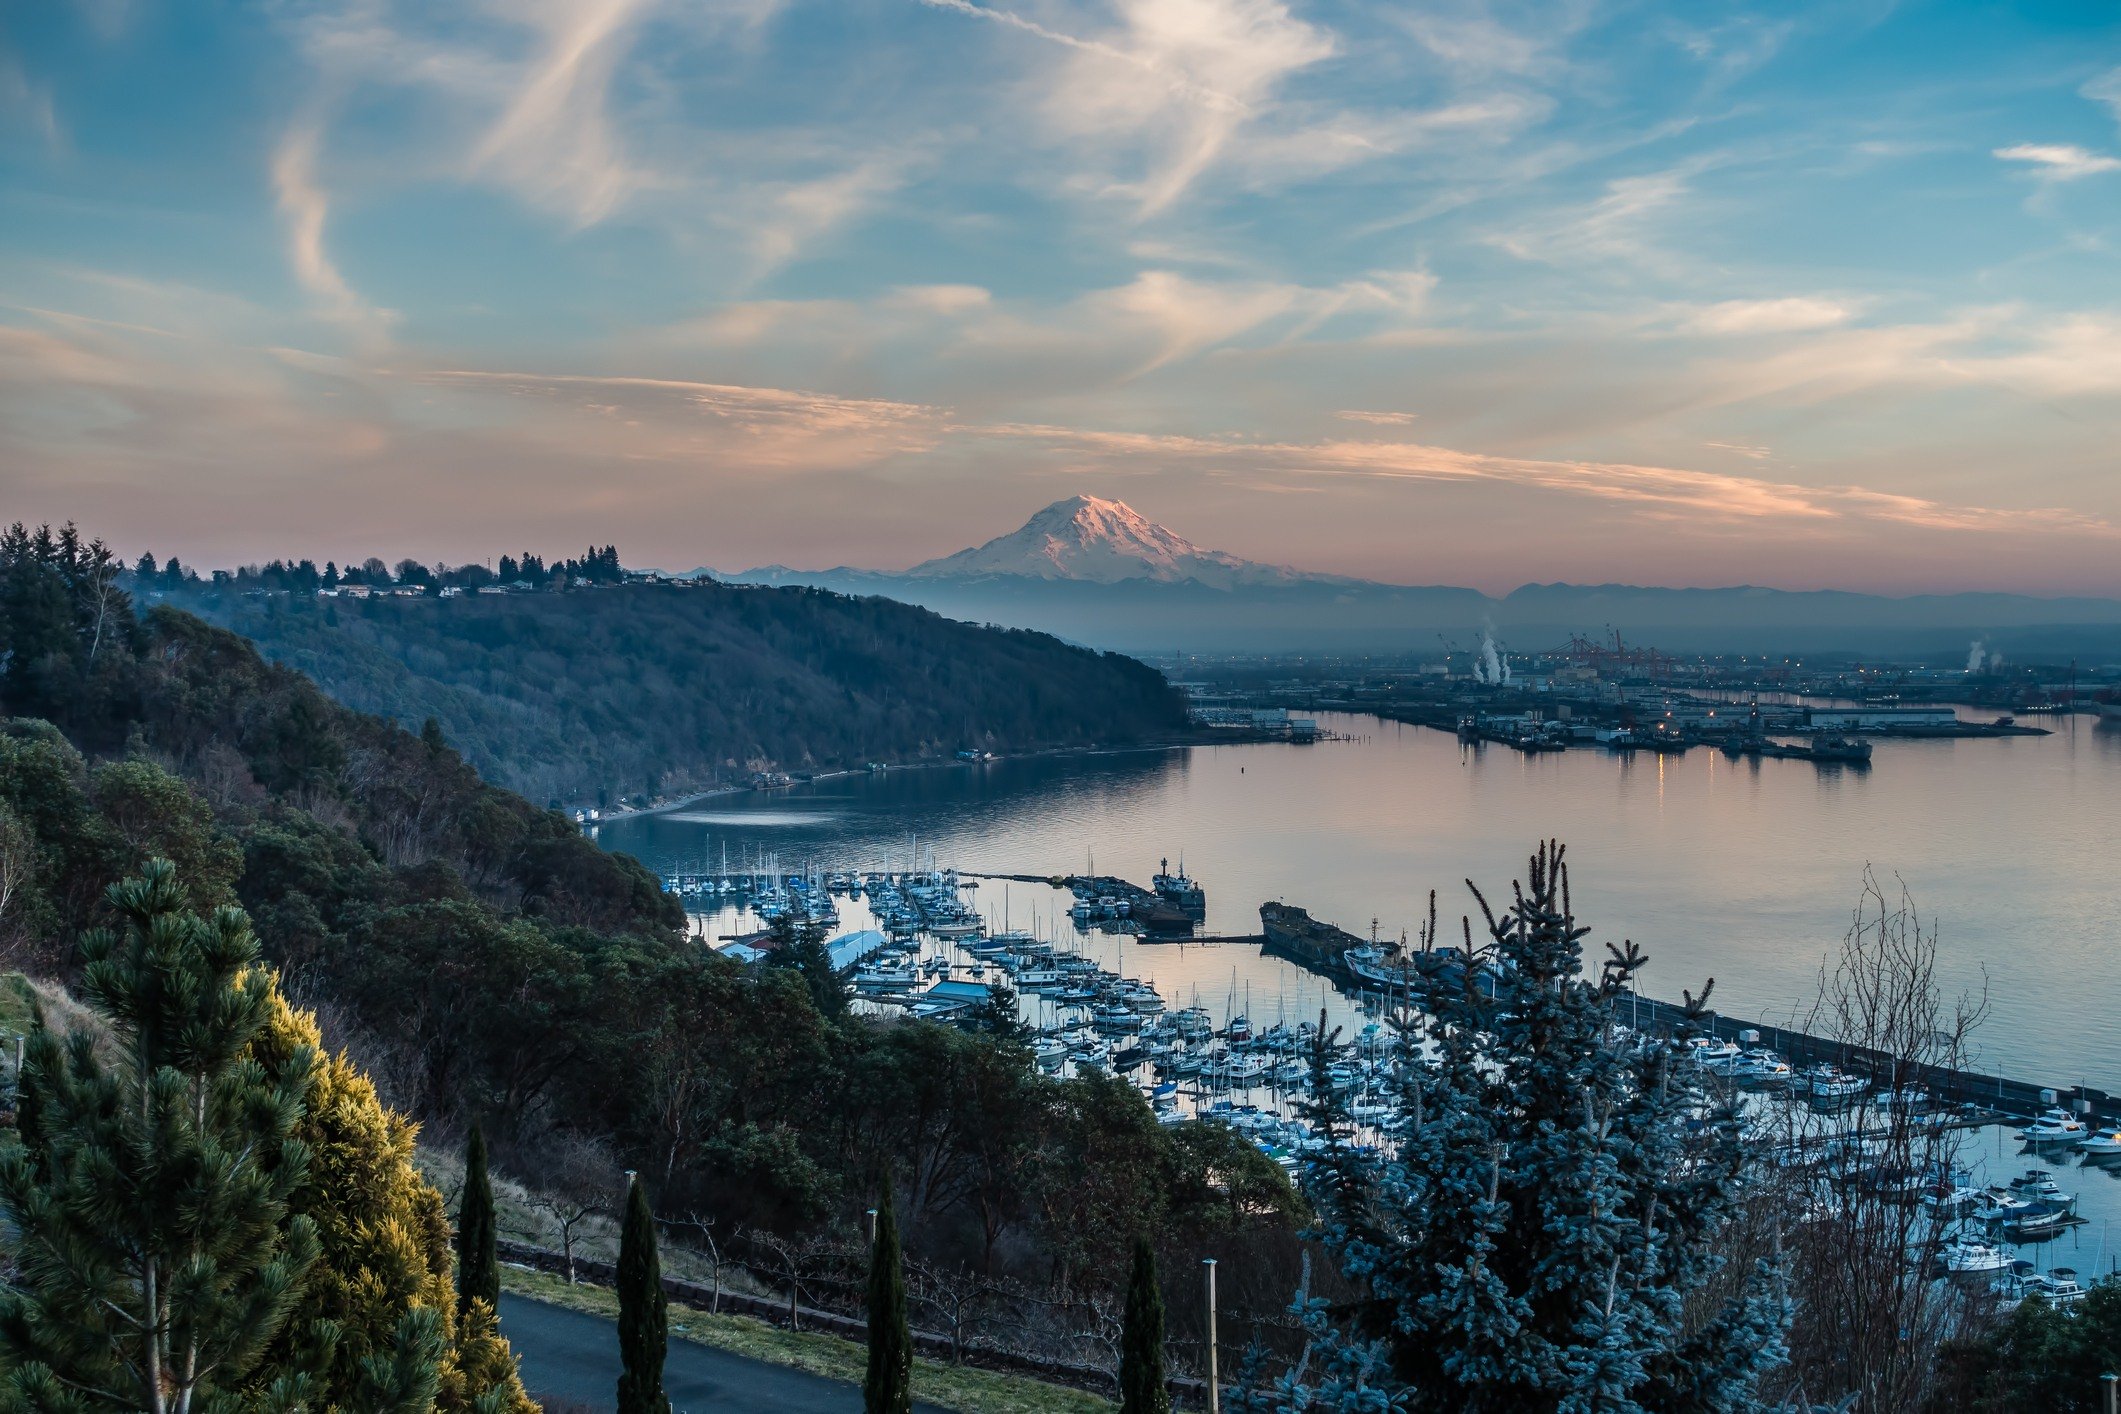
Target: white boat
<point>1907,1097</point>
<point>1114,1016</point>
<point>2059,1287</point>
<point>2056,1127</point>
<point>1972,1254</point>
<point>1761,1067</point>
<point>2040,1186</point>
<point>2106,1139</point>
<point>1827,1082</point>
<point>1703,1050</point>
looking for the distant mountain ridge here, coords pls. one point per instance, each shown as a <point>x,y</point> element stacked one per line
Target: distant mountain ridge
<point>1097,572</point>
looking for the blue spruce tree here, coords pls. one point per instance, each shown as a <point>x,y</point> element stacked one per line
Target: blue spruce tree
<point>1528,1232</point>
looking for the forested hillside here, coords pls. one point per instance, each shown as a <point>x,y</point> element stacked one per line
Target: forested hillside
<point>484,961</point>
<point>602,694</point>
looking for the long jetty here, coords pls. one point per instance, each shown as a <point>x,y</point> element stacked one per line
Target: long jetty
<point>2021,1099</point>
<point>2002,1096</point>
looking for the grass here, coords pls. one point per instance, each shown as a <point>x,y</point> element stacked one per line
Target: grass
<point>952,1387</point>
<point>16,1003</point>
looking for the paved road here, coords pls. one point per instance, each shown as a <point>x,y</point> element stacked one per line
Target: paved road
<point>569,1355</point>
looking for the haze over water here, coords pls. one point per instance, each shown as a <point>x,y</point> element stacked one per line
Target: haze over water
<point>1744,871</point>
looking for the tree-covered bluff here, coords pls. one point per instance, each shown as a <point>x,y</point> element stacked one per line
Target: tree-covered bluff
<point>608,691</point>
<point>486,964</point>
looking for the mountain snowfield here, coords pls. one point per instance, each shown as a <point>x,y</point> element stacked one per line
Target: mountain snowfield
<point>1091,540</point>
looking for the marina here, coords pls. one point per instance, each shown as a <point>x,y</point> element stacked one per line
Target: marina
<point>1809,1103</point>
<point>2003,842</point>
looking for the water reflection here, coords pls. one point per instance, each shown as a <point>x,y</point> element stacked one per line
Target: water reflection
<point>1742,870</point>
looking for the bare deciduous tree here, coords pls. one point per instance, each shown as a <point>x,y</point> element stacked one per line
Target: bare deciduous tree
<point>1858,1241</point>
<point>577,1180</point>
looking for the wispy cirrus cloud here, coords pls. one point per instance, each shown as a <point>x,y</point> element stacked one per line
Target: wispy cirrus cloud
<point>741,428</point>
<point>305,209</point>
<point>1655,492</point>
<point>1787,315</point>
<point>1178,82</point>
<point>2059,161</point>
<point>1743,449</point>
<point>555,140</point>
<point>2106,89</point>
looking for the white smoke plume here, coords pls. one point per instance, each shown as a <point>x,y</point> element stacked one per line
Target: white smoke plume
<point>1977,656</point>
<point>1493,668</point>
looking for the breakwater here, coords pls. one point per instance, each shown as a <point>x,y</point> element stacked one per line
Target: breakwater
<point>1325,949</point>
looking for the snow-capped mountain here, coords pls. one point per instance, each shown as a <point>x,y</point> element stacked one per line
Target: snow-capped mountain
<point>1090,540</point>
<point>1096,572</point>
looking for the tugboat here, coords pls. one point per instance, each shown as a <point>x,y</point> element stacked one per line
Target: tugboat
<point>1179,891</point>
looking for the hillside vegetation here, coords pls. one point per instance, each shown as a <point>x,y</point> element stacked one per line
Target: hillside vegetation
<point>604,694</point>
<point>483,961</point>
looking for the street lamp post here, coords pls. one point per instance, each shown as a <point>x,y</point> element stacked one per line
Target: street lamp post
<point>872,1227</point>
<point>2113,1393</point>
<point>1214,1392</point>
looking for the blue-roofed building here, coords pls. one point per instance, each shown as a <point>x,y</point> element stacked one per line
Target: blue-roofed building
<point>853,949</point>
<point>946,999</point>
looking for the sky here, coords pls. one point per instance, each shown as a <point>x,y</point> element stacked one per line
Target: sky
<point>1686,293</point>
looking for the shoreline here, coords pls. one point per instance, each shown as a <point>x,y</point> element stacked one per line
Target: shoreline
<point>1222,737</point>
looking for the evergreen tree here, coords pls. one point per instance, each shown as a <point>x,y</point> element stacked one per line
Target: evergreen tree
<point>801,948</point>
<point>160,1251</point>
<point>888,1387</point>
<point>1141,1344</point>
<point>386,1274</point>
<point>1527,1234</point>
<point>478,1266</point>
<point>642,1337</point>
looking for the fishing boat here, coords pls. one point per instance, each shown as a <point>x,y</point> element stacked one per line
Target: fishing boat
<point>1181,892</point>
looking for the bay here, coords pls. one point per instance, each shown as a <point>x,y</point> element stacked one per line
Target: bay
<point>1744,871</point>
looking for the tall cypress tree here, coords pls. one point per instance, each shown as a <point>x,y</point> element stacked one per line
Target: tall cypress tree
<point>642,1334</point>
<point>888,1388</point>
<point>1141,1343</point>
<point>159,1253</point>
<point>478,1266</point>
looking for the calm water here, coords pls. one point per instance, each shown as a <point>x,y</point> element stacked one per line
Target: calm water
<point>1744,871</point>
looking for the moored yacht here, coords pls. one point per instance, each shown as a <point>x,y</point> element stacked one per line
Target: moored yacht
<point>1829,1082</point>
<point>2105,1141</point>
<point>2056,1127</point>
<point>1964,1254</point>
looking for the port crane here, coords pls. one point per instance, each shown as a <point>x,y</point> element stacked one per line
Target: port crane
<point>1615,657</point>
